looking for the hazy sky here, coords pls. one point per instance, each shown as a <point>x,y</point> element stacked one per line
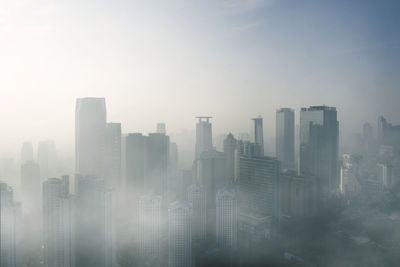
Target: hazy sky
<point>172,60</point>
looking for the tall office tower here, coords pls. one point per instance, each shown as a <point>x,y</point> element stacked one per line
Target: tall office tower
<point>258,186</point>
<point>161,128</point>
<point>203,136</point>
<point>349,175</point>
<point>285,137</point>
<point>95,217</point>
<point>150,229</point>
<point>388,134</point>
<point>135,165</point>
<point>10,228</point>
<point>226,219</point>
<point>319,144</point>
<point>90,125</point>
<point>58,223</point>
<point>369,144</point>
<point>384,175</point>
<point>197,198</point>
<point>173,183</point>
<point>26,152</point>
<point>157,160</point>
<point>259,135</point>
<point>230,145</point>
<point>211,174</point>
<point>113,156</point>
<point>31,188</point>
<point>180,234</point>
<point>47,159</point>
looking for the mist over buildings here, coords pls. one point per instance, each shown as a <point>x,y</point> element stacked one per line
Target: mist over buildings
<point>211,133</point>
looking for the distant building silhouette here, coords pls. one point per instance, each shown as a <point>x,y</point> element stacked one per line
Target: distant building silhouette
<point>319,145</point>
<point>388,134</point>
<point>285,137</point>
<point>230,146</point>
<point>26,152</point>
<point>112,159</point>
<point>47,159</point>
<point>90,125</point>
<point>259,135</point>
<point>203,136</point>
<point>31,188</point>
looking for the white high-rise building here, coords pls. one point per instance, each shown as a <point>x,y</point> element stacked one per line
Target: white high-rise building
<point>203,136</point>
<point>197,197</point>
<point>180,234</point>
<point>226,219</point>
<point>150,232</point>
<point>10,228</point>
<point>58,224</point>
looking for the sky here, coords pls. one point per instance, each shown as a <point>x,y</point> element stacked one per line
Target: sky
<point>169,61</point>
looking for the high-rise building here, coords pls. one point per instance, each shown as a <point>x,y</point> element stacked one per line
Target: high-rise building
<point>31,187</point>
<point>150,229</point>
<point>230,146</point>
<point>197,198</point>
<point>58,223</point>
<point>349,175</point>
<point>319,144</point>
<point>211,174</point>
<point>10,228</point>
<point>113,155</point>
<point>47,159</point>
<point>135,165</point>
<point>90,125</point>
<point>285,137</point>
<point>26,152</point>
<point>95,223</point>
<point>161,128</point>
<point>203,136</point>
<point>296,194</point>
<point>226,219</point>
<point>259,135</point>
<point>388,134</point>
<point>180,234</point>
<point>157,160</point>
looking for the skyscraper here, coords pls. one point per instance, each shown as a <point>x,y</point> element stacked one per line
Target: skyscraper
<point>197,198</point>
<point>26,152</point>
<point>285,137</point>
<point>90,125</point>
<point>47,159</point>
<point>203,136</point>
<point>95,217</point>
<point>230,145</point>
<point>31,188</point>
<point>150,231</point>
<point>258,186</point>
<point>10,228</point>
<point>388,134</point>
<point>59,224</point>
<point>135,165</point>
<point>161,128</point>
<point>259,135</point>
<point>157,160</point>
<point>319,144</point>
<point>211,174</point>
<point>226,219</point>
<point>113,155</point>
<point>180,234</point>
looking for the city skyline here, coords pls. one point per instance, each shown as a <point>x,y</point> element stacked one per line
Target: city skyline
<point>268,49</point>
